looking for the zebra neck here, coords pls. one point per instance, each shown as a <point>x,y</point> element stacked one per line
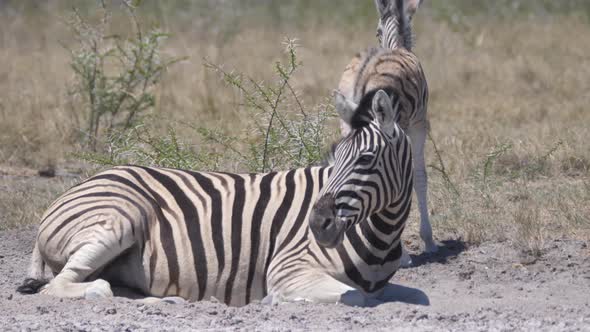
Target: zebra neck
<point>392,219</point>
<point>398,33</point>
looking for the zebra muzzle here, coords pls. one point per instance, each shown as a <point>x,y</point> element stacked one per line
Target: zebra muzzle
<point>327,228</point>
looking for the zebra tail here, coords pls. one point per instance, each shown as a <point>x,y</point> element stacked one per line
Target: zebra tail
<point>36,279</point>
<point>31,286</point>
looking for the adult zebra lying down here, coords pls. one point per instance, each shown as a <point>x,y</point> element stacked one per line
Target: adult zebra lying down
<point>239,237</point>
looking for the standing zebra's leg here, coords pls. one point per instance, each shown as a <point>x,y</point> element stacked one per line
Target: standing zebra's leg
<point>418,139</point>
<point>405,260</point>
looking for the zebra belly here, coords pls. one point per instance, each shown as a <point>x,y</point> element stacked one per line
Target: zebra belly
<point>216,290</point>
<point>167,277</point>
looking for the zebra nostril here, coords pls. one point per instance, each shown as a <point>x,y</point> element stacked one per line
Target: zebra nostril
<point>326,223</point>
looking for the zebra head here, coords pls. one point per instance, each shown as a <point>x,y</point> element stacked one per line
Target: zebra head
<point>395,16</point>
<point>362,179</point>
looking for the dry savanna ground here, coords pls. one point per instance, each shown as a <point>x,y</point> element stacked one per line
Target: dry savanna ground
<point>509,156</point>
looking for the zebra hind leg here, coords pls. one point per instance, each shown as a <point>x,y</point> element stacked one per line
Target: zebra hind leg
<point>418,140</point>
<point>88,260</point>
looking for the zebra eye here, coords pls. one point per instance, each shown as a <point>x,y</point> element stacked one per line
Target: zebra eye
<point>365,159</point>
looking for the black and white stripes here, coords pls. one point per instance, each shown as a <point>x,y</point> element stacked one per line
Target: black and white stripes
<point>395,17</point>
<point>394,68</point>
<point>239,237</point>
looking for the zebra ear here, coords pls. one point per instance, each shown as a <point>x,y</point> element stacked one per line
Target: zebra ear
<point>345,108</point>
<point>382,6</point>
<point>384,111</point>
<point>411,6</point>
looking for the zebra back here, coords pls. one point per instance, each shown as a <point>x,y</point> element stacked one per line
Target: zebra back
<point>398,72</point>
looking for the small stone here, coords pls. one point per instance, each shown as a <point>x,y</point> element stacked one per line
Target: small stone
<point>111,311</point>
<point>9,297</point>
<point>42,310</point>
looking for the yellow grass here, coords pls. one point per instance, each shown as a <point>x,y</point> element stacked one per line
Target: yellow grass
<point>519,82</point>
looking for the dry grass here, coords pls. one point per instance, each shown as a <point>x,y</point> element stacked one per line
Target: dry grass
<point>519,82</point>
<point>23,198</point>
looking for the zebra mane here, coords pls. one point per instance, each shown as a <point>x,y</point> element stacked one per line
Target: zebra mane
<point>329,159</point>
<point>364,112</point>
<point>405,26</point>
<point>363,115</point>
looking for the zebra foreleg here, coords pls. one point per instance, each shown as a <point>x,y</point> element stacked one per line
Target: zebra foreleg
<point>318,289</point>
<point>418,140</point>
<point>140,297</point>
<point>168,300</point>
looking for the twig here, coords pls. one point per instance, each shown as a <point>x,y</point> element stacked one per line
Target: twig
<point>442,169</point>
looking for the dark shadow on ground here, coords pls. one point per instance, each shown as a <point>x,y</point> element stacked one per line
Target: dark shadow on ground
<point>391,293</point>
<point>403,294</point>
<point>446,250</point>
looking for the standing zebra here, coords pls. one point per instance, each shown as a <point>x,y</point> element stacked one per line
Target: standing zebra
<point>239,237</point>
<point>395,67</point>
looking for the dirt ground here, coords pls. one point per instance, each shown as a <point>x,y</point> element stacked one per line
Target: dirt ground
<point>485,288</point>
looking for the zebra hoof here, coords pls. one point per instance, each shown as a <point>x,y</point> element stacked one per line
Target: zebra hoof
<point>406,260</point>
<point>407,263</point>
<point>99,289</point>
<point>44,290</point>
<point>267,300</point>
<point>430,247</point>
<point>272,300</point>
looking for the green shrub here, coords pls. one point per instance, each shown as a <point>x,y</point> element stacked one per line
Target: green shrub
<point>280,131</point>
<point>114,75</point>
<point>275,137</point>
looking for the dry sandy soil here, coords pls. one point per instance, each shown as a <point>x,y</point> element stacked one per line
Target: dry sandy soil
<point>489,287</point>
